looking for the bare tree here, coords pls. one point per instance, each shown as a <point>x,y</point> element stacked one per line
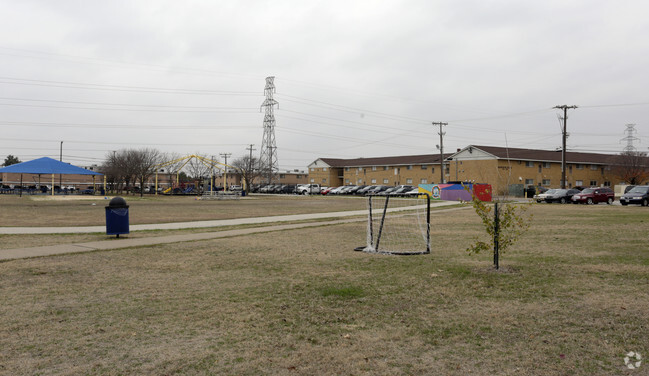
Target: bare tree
<point>632,167</point>
<point>174,163</point>
<point>248,168</point>
<point>199,169</point>
<point>128,166</point>
<point>144,162</point>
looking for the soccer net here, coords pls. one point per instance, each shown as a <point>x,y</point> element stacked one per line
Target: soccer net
<point>398,225</point>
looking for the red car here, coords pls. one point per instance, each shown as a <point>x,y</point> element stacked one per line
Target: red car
<point>594,196</point>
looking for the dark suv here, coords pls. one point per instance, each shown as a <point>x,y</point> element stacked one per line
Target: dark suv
<point>594,196</point>
<point>636,195</point>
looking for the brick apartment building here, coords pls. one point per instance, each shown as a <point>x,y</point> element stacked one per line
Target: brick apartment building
<point>505,169</point>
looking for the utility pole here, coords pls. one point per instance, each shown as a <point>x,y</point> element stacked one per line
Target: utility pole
<point>225,175</point>
<point>60,160</point>
<point>563,144</point>
<point>249,172</point>
<point>441,149</point>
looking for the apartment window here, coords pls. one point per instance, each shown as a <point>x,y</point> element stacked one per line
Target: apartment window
<point>424,181</point>
<point>385,168</point>
<point>570,169</point>
<point>359,181</point>
<point>424,167</point>
<point>386,181</point>
<point>312,169</point>
<point>579,183</point>
<point>373,168</point>
<point>546,164</point>
<point>579,166</point>
<point>346,168</point>
<point>298,176</point>
<point>409,167</point>
<point>324,169</point>
<point>529,181</point>
<point>312,180</point>
<point>408,181</point>
<point>546,182</point>
<point>282,176</point>
<point>324,180</point>
<point>373,181</point>
<point>360,169</point>
<point>607,183</point>
<point>593,183</point>
<point>529,164</point>
<point>432,170</point>
<point>593,167</point>
<point>346,181</point>
<point>540,169</point>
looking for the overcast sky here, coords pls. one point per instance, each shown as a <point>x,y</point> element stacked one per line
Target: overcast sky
<point>353,78</point>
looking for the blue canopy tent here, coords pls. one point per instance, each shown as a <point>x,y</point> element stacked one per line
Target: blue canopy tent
<point>47,166</point>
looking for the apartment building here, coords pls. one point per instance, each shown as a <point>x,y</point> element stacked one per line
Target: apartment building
<point>507,170</point>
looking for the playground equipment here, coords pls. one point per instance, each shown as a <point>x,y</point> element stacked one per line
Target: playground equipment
<point>205,161</point>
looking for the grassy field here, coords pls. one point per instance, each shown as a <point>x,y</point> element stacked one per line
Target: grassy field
<point>90,211</point>
<point>571,299</point>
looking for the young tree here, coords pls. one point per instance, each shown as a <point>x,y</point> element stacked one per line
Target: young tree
<point>248,168</point>
<point>10,160</point>
<point>632,167</point>
<point>504,224</point>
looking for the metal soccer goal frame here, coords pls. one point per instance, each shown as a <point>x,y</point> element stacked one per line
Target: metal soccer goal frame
<point>373,245</point>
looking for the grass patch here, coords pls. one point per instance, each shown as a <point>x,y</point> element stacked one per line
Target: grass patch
<point>572,299</point>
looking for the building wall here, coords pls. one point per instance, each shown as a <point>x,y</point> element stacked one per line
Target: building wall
<point>325,176</point>
<point>392,175</point>
<point>501,173</point>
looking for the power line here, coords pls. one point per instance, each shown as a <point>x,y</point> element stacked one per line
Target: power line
<point>108,87</point>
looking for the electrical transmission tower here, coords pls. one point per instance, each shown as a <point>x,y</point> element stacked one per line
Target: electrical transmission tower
<point>268,159</point>
<point>630,138</point>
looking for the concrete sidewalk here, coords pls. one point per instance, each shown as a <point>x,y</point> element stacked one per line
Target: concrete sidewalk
<point>118,243</point>
<point>203,224</point>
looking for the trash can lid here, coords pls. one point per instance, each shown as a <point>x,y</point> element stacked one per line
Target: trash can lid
<point>117,202</point>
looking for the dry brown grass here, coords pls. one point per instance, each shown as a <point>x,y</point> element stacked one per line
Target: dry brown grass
<point>572,300</point>
<point>41,211</point>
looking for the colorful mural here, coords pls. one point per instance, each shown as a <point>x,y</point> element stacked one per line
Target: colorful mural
<point>456,192</point>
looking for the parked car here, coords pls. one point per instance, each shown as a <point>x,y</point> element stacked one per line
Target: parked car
<point>306,189</point>
<point>377,189</point>
<point>561,195</point>
<point>594,196</point>
<point>355,189</point>
<point>639,194</point>
<point>365,190</point>
<point>402,189</point>
<point>541,196</point>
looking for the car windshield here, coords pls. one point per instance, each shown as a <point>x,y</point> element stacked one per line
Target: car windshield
<point>588,190</point>
<point>639,189</point>
<point>551,191</point>
<point>559,191</point>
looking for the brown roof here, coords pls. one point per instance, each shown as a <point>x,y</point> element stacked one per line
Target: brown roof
<point>545,155</point>
<point>385,161</point>
<point>499,152</point>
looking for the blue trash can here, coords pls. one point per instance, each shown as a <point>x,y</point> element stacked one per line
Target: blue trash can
<point>117,217</point>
